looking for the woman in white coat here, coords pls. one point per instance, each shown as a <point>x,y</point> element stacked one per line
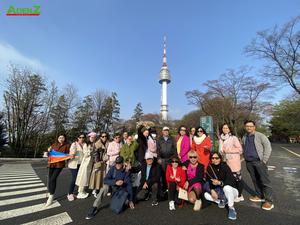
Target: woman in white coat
<point>86,166</point>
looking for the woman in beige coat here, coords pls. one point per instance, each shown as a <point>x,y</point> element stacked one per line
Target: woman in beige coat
<point>86,166</point>
<point>99,164</point>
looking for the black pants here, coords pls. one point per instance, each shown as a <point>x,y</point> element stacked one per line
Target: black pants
<point>52,177</point>
<point>239,182</point>
<point>172,192</point>
<point>260,178</point>
<point>74,173</point>
<point>143,193</point>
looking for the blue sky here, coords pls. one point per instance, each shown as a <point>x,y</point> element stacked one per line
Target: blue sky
<point>116,45</point>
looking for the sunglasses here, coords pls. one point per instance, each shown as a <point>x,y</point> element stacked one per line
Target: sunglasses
<point>193,157</point>
<point>175,162</point>
<point>215,157</point>
<point>103,136</point>
<point>81,137</point>
<point>182,130</point>
<point>200,131</point>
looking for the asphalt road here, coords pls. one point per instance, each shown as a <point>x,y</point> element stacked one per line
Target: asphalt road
<point>18,207</point>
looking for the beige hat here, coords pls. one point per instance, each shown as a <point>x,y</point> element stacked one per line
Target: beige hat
<point>166,128</point>
<point>148,156</point>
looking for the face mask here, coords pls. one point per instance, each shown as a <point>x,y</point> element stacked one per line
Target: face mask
<point>153,135</point>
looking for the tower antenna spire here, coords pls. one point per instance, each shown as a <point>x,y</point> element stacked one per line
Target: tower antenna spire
<point>164,80</point>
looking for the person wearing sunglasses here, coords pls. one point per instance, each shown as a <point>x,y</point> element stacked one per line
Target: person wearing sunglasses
<point>202,145</point>
<point>76,150</point>
<point>113,149</point>
<point>99,163</point>
<point>84,171</point>
<point>195,174</point>
<point>183,143</point>
<point>231,150</point>
<point>222,185</point>
<point>176,178</point>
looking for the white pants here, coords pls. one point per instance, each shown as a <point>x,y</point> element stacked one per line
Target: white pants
<point>231,193</point>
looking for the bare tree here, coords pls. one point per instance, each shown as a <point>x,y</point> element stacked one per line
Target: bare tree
<point>98,97</point>
<point>279,47</point>
<point>23,102</point>
<point>234,97</point>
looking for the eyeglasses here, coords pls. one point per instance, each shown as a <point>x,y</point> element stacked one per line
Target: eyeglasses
<point>175,162</point>
<point>103,136</point>
<point>200,131</point>
<point>182,129</point>
<point>193,157</point>
<point>215,157</point>
<point>81,137</point>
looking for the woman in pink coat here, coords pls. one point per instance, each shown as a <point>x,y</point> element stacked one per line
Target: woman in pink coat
<point>231,149</point>
<point>183,144</point>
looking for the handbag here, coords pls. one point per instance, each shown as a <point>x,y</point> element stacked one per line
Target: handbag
<point>118,200</point>
<point>182,194</point>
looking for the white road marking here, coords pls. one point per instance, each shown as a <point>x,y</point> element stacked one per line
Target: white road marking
<point>18,179</point>
<point>14,176</point>
<point>26,210</point>
<point>22,199</point>
<point>21,176</point>
<point>290,151</point>
<point>21,182</point>
<point>17,174</point>
<point>21,186</point>
<point>11,193</point>
<point>59,219</point>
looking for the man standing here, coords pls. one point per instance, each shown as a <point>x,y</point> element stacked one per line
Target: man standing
<point>165,150</point>
<point>257,150</point>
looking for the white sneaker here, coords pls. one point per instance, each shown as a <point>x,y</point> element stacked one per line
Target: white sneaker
<point>82,195</point>
<point>171,205</point>
<point>197,205</point>
<point>49,201</point>
<point>94,192</point>
<point>70,197</point>
<point>239,199</point>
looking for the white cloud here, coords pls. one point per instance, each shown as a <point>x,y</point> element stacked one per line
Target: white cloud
<point>9,54</point>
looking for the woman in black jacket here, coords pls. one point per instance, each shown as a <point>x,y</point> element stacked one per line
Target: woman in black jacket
<point>221,181</point>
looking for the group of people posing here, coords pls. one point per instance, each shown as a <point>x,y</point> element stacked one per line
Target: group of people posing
<point>145,166</point>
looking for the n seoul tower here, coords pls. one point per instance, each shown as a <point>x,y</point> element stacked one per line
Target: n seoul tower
<point>164,80</point>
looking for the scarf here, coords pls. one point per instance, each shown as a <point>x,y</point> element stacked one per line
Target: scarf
<point>199,140</point>
<point>224,138</point>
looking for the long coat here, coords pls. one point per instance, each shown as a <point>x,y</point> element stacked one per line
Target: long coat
<point>203,154</point>
<point>232,149</point>
<point>85,167</point>
<point>98,171</point>
<point>184,148</point>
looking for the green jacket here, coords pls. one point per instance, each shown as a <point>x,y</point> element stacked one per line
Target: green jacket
<point>127,152</point>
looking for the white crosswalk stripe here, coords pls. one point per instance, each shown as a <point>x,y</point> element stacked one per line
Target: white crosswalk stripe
<point>20,182</point>
<point>62,218</point>
<point>17,180</point>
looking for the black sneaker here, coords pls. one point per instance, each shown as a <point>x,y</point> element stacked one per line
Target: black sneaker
<point>155,203</point>
<point>92,213</point>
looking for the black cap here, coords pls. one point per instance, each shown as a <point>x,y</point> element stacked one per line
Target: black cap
<point>119,159</point>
